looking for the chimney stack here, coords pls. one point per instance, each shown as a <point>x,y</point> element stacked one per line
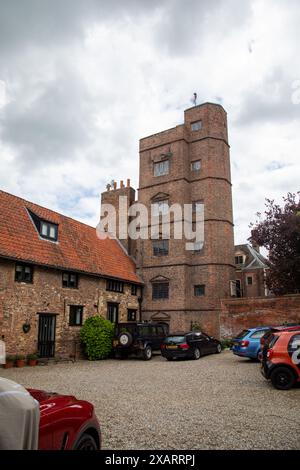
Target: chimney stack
<point>111,196</point>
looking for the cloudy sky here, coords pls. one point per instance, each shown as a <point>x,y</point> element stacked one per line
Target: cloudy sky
<point>82,80</point>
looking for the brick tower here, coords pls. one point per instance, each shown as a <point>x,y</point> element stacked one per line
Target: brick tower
<point>187,164</point>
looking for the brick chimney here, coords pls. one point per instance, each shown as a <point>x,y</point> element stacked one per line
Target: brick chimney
<point>111,196</point>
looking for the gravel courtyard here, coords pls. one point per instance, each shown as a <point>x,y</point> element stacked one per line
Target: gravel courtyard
<point>218,402</point>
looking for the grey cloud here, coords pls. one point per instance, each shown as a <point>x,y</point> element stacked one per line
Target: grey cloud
<point>272,102</point>
<point>53,22</point>
<point>53,125</point>
<point>39,22</point>
<point>275,165</point>
<point>184,24</point>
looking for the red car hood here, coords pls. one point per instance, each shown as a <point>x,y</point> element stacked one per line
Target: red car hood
<point>51,401</point>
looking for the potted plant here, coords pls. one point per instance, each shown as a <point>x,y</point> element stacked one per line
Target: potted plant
<point>9,362</point>
<point>20,360</point>
<point>32,359</point>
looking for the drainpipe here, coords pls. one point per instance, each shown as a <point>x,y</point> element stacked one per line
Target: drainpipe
<point>140,300</point>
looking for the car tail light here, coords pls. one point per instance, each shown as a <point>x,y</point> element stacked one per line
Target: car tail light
<point>162,346</point>
<point>269,353</point>
<point>244,344</point>
<point>184,346</point>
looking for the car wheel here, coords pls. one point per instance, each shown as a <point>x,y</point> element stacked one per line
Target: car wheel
<point>282,378</point>
<point>147,353</point>
<point>125,339</point>
<point>196,354</point>
<point>86,442</point>
<point>218,349</point>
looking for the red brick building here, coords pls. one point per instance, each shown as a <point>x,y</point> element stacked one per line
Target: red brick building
<point>188,164</point>
<point>251,270</point>
<point>54,273</point>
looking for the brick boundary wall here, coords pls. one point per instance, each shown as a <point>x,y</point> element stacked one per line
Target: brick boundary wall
<point>237,314</point>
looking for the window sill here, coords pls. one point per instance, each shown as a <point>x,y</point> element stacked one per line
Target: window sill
<point>24,282</point>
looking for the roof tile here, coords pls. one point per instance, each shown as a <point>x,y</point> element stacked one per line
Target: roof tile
<point>78,247</point>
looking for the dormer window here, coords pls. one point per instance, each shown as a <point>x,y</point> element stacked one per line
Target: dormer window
<point>45,228</point>
<point>48,230</point>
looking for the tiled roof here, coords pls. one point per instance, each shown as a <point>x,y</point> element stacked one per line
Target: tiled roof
<point>254,259</point>
<point>78,247</point>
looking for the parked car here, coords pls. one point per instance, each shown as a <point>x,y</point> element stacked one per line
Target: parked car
<point>281,359</point>
<point>140,339</point>
<point>247,342</point>
<point>192,345</point>
<point>66,423</point>
<point>265,338</point>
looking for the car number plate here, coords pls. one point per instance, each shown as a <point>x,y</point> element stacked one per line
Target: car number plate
<point>171,347</point>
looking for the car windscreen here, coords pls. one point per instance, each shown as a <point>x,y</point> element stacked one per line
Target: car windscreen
<point>175,339</point>
<point>242,334</point>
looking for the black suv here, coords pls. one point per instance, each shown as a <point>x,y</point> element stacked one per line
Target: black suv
<point>138,338</point>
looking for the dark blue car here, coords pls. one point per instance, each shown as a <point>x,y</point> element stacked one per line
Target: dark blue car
<point>247,342</point>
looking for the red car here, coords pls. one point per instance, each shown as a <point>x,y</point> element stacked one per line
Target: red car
<point>66,423</point>
<point>264,339</point>
<point>281,359</point>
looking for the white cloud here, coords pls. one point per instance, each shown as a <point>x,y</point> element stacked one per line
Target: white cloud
<point>87,83</point>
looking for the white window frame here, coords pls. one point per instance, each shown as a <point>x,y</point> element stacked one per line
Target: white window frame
<point>232,288</point>
<point>196,126</point>
<point>161,168</point>
<point>160,207</point>
<point>194,164</point>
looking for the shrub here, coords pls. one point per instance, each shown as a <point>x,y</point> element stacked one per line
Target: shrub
<point>226,343</point>
<point>196,326</point>
<point>96,335</point>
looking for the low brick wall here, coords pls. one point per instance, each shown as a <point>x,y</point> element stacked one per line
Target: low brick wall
<point>237,314</point>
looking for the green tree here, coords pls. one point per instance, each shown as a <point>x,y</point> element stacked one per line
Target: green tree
<point>279,233</point>
<point>96,335</point>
